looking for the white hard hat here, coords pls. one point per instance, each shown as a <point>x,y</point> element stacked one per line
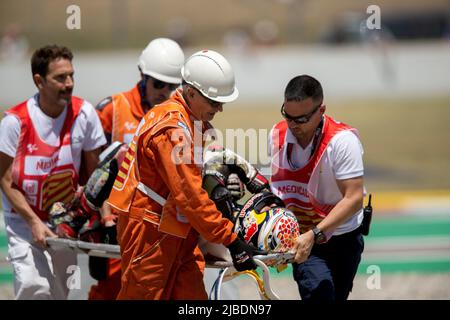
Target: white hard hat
<point>210,73</point>
<point>162,59</point>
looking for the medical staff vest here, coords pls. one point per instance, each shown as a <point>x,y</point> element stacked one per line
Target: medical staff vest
<point>131,185</point>
<point>295,186</point>
<point>45,174</point>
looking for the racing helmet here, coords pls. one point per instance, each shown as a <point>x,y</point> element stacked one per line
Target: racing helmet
<point>272,230</point>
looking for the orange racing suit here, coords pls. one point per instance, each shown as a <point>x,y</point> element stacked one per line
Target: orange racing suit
<point>163,208</point>
<point>120,115</point>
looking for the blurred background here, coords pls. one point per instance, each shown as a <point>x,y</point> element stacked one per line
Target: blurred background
<point>392,83</point>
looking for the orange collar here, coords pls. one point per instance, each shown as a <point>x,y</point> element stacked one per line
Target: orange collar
<point>178,96</point>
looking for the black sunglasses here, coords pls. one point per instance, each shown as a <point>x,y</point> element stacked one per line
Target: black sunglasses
<point>300,119</point>
<point>212,103</point>
<point>158,84</point>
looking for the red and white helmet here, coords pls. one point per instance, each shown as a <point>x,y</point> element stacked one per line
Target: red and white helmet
<point>272,230</point>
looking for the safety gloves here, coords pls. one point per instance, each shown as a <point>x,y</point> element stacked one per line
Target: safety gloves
<point>232,169</point>
<point>235,186</point>
<point>257,183</point>
<point>247,173</point>
<point>242,254</point>
<point>214,182</point>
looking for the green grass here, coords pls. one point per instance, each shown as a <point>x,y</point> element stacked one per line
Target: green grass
<point>392,266</point>
<point>432,266</point>
<point>3,239</point>
<point>6,277</point>
<point>400,227</point>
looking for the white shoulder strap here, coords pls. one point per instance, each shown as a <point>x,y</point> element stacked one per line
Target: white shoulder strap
<point>151,194</point>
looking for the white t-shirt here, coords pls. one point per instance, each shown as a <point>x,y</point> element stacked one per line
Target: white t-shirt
<point>344,150</point>
<point>86,133</point>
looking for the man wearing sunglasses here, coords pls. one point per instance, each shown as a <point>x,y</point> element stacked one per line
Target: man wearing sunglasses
<point>160,69</point>
<point>317,170</point>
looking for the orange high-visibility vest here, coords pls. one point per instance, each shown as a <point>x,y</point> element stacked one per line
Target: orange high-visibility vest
<point>120,114</point>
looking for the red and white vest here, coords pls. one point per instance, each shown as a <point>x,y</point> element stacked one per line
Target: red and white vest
<point>44,173</point>
<point>298,188</point>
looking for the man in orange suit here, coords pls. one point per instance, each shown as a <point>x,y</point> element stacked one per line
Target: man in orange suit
<point>158,191</point>
<point>160,69</point>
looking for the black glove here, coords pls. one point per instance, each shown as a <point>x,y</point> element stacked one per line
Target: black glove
<point>224,202</point>
<point>214,175</point>
<point>235,186</point>
<point>98,266</point>
<point>110,234</point>
<point>242,254</point>
<point>258,183</point>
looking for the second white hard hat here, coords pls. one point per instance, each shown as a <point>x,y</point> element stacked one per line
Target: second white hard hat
<point>210,73</point>
<point>162,59</point>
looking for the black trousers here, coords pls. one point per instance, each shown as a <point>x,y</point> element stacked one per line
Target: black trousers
<point>328,273</point>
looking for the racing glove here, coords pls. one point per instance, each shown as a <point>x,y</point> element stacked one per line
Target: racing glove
<point>258,183</point>
<point>242,255</point>
<point>235,186</point>
<point>214,182</point>
<point>247,173</point>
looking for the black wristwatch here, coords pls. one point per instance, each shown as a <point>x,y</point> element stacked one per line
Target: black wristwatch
<point>319,236</point>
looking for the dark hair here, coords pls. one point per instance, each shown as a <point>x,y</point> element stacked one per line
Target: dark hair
<point>303,87</point>
<point>43,56</point>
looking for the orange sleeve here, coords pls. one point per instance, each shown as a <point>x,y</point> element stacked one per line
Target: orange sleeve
<point>184,181</point>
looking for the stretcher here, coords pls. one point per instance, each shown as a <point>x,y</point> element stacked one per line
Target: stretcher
<point>89,248</point>
<point>227,270</point>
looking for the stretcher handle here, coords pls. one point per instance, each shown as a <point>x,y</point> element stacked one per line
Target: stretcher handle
<point>93,249</point>
<point>271,259</point>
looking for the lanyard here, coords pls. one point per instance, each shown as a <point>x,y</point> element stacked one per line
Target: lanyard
<point>317,135</point>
